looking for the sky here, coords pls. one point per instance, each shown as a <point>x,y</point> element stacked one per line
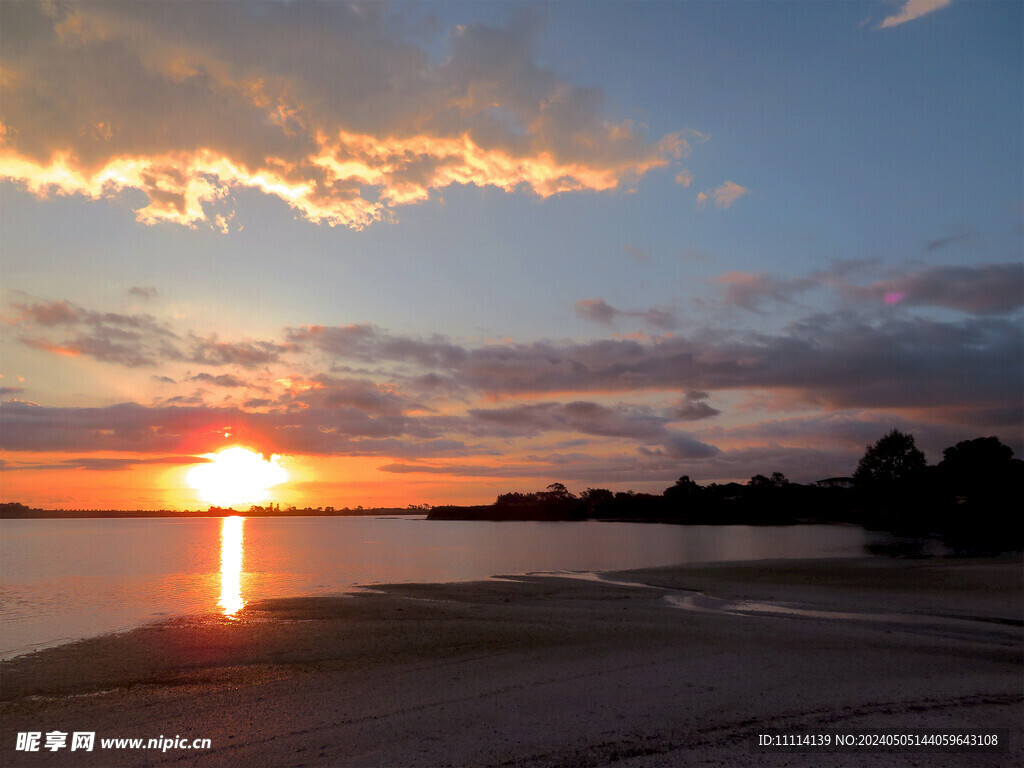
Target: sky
<point>433,252</point>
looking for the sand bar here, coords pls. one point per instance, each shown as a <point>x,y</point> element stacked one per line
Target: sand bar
<point>551,671</point>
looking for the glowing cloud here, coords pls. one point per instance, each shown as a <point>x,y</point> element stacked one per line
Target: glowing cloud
<point>913,9</point>
<point>728,193</point>
<point>724,196</point>
<point>344,128</point>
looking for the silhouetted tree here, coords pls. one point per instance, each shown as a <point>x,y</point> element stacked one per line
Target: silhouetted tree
<point>556,492</point>
<point>893,458</point>
<point>981,481</point>
<point>976,458</point>
<point>684,488</point>
<point>598,502</point>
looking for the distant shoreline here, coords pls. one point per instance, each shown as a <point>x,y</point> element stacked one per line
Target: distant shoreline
<point>72,514</point>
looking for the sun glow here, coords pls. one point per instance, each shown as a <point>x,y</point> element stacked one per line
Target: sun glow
<point>236,476</point>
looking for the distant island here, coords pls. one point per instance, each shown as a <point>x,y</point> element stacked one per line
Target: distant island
<point>970,496</point>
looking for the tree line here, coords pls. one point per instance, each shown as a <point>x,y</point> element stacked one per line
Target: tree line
<point>967,496</point>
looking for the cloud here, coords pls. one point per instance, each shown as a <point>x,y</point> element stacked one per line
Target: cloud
<point>324,106</point>
<point>981,289</point>
<point>984,289</point>
<point>247,354</point>
<point>5,391</point>
<point>360,390</point>
<point>131,427</point>
<point>223,380</point>
<point>601,311</point>
<point>56,313</point>
<point>684,178</point>
<point>679,446</point>
<point>109,464</point>
<point>129,340</point>
<point>912,9</point>
<point>597,310</point>
<point>723,196</point>
<point>942,242</point>
<point>728,193</point>
<point>693,408</point>
<point>147,292</point>
<point>748,289</point>
<point>837,360</point>
<point>584,417</point>
<point>581,469</point>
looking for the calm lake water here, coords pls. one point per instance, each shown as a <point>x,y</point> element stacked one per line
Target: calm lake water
<point>62,580</point>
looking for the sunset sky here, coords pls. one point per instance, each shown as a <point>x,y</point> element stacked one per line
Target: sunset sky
<point>433,252</point>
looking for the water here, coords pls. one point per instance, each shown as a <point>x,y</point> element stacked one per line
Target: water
<point>63,580</point>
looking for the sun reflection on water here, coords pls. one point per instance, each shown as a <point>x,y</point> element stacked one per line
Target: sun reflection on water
<point>231,565</point>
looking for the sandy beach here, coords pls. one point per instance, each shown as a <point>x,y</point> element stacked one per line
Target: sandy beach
<point>666,667</point>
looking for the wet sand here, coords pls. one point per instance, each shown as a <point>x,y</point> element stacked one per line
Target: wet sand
<point>688,667</point>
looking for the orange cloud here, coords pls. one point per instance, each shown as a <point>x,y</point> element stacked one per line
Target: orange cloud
<point>99,99</point>
<point>724,196</point>
<point>912,9</point>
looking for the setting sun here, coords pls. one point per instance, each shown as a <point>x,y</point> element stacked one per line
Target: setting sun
<point>236,476</point>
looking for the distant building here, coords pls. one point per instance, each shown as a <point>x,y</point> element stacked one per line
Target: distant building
<point>835,482</point>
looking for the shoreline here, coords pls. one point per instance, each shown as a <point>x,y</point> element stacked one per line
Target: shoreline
<point>552,670</point>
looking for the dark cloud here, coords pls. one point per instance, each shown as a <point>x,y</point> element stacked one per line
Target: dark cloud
<point>184,425</point>
<point>110,465</point>
<point>750,290</point>
<point>694,411</point>
<point>257,402</point>
<point>584,417</point>
<point>223,380</point>
<point>247,354</point>
<point>680,446</point>
<point>984,289</point>
<point>147,292</point>
<point>942,242</point>
<point>5,391</point>
<point>839,360</point>
<point>55,313</point>
<point>108,345</point>
<point>601,311</point>
<point>130,340</point>
<point>981,289</point>
<point>597,310</point>
<point>369,343</point>
<point>134,340</point>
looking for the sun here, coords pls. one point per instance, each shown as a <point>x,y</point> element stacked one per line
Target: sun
<point>236,476</point>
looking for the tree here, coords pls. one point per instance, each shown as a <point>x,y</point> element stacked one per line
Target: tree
<point>976,458</point>
<point>981,470</point>
<point>556,492</point>
<point>598,501</point>
<point>684,488</point>
<point>894,457</point>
